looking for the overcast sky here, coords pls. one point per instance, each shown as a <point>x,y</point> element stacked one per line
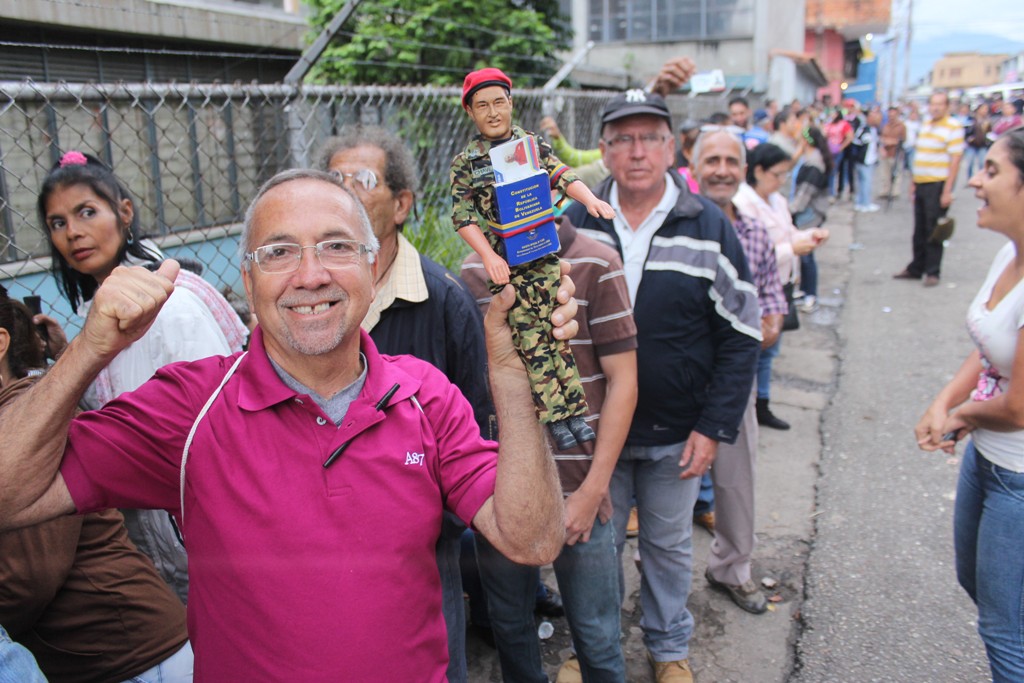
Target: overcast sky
<point>934,18</point>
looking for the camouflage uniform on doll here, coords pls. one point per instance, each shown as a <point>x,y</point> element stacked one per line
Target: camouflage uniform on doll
<point>554,380</point>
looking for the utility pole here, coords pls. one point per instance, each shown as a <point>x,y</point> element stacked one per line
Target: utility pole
<point>906,49</point>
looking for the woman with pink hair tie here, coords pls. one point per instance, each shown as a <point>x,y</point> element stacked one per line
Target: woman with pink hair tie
<point>93,228</point>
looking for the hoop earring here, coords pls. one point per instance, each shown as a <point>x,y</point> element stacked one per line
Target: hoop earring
<point>131,239</point>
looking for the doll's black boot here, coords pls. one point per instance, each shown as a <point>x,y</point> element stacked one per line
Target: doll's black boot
<point>560,432</point>
<point>580,429</point>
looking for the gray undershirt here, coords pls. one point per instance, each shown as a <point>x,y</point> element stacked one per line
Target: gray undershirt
<point>334,407</point>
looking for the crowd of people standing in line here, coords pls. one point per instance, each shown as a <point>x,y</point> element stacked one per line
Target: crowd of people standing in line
<point>702,258</point>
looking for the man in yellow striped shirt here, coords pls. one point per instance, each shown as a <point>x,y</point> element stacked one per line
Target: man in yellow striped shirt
<point>940,144</point>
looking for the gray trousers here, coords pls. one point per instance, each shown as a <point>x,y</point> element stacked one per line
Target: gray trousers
<point>665,505</point>
<point>733,477</point>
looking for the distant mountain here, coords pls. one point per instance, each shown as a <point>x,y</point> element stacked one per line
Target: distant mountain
<point>924,53</point>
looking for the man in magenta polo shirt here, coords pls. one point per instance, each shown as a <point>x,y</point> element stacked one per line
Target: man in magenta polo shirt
<point>316,470</point>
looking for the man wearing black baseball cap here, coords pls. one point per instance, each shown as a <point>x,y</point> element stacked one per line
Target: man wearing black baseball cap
<point>698,324</point>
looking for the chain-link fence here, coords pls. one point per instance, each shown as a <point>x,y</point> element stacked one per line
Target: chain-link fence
<point>193,156</point>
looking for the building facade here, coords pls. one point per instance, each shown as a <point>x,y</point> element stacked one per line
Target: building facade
<point>743,38</point>
<point>107,41</point>
<point>834,31</point>
<point>958,70</point>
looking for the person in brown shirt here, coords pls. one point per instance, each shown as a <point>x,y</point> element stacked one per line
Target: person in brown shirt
<point>894,132</point>
<point>75,591</point>
<point>587,568</point>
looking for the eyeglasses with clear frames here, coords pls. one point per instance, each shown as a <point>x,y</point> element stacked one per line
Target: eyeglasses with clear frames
<point>718,127</point>
<point>366,178</point>
<point>648,140</point>
<point>285,257</point>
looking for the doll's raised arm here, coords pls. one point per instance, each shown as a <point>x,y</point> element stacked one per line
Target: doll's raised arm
<point>595,207</point>
<point>496,267</point>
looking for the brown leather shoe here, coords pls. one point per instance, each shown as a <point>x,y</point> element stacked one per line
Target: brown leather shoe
<point>747,596</point>
<point>706,520</point>
<point>931,281</point>
<point>633,524</point>
<point>671,672</point>
<point>905,275</point>
<point>570,672</point>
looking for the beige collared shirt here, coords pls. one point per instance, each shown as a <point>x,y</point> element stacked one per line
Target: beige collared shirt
<point>405,281</point>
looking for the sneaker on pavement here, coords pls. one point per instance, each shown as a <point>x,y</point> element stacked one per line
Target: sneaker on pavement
<point>747,596</point>
<point>671,672</point>
<point>871,208</point>
<point>706,520</point>
<point>633,523</point>
<point>809,304</point>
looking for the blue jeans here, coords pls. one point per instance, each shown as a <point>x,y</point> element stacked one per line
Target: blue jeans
<point>865,184</point>
<point>764,368</point>
<point>987,523</point>
<point>665,506</point>
<point>175,669</point>
<point>974,156</point>
<point>841,173</point>
<point>447,551</point>
<point>809,274</point>
<point>588,577</point>
<point>706,497</point>
<point>17,665</point>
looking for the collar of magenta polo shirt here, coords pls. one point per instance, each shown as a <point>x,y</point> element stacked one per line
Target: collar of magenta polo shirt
<point>260,388</point>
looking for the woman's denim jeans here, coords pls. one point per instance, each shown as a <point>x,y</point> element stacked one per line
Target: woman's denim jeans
<point>988,528</point>
<point>764,368</point>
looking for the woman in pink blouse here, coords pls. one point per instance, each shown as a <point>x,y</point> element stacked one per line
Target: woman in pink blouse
<point>768,168</point>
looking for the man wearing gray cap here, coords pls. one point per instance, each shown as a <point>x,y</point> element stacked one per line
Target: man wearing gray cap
<point>698,326</point>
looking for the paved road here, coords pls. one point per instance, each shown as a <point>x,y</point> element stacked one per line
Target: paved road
<point>882,600</point>
<point>854,523</point>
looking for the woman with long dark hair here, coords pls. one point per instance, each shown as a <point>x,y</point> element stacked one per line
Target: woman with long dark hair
<point>985,399</point>
<point>94,228</point>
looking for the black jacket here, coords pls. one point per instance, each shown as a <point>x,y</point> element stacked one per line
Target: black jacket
<point>698,323</point>
<point>446,330</point>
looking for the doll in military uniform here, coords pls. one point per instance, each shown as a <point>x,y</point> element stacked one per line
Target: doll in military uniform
<point>554,381</point>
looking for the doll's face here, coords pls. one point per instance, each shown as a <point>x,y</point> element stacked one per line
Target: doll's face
<point>491,111</point>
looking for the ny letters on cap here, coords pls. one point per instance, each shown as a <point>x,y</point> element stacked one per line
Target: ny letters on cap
<point>633,102</point>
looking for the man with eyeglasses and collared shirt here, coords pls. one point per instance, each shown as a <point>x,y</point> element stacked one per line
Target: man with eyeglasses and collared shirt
<point>698,325</point>
<point>421,309</point>
<point>310,473</point>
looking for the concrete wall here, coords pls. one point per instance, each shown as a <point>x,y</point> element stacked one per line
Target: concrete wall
<point>828,49</point>
<point>227,23</point>
<point>778,24</point>
<point>781,27</point>
<point>643,60</point>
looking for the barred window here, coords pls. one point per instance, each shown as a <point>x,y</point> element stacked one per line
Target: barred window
<point>664,20</point>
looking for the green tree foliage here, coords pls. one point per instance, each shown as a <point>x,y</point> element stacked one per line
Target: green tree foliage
<point>397,42</point>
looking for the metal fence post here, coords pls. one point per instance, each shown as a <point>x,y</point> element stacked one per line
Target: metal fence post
<point>149,108</point>
<point>197,171</point>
